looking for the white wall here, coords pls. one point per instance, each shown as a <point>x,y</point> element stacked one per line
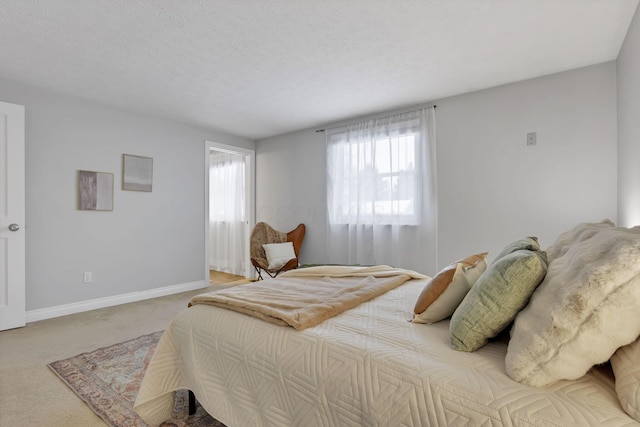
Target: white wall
<point>291,188</point>
<point>492,188</point>
<point>150,240</point>
<point>628,66</point>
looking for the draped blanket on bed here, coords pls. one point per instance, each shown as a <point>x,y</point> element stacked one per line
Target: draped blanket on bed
<point>325,292</point>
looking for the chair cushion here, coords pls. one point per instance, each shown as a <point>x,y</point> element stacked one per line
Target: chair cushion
<point>278,254</point>
<point>263,233</point>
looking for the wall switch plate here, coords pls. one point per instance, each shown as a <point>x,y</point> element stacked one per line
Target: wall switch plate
<point>88,277</point>
<point>531,138</point>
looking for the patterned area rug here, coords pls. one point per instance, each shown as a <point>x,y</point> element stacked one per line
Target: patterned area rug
<point>108,380</point>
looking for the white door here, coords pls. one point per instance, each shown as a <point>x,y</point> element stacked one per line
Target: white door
<point>12,206</point>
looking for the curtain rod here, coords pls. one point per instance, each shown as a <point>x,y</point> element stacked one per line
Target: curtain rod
<point>399,112</point>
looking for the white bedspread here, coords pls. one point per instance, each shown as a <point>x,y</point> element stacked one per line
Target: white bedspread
<point>368,366</point>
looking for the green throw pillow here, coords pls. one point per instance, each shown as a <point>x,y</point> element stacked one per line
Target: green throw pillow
<point>526,243</point>
<point>498,295</point>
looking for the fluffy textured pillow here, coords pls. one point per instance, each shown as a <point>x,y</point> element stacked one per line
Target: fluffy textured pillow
<point>585,309</point>
<point>278,254</point>
<point>578,233</point>
<point>496,298</point>
<point>626,367</point>
<point>443,293</point>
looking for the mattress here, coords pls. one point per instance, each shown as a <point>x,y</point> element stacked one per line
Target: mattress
<point>367,366</point>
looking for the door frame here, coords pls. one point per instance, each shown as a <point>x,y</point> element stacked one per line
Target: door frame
<point>250,174</point>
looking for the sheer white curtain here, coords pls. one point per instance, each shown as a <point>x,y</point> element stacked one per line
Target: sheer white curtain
<point>227,239</point>
<point>381,192</point>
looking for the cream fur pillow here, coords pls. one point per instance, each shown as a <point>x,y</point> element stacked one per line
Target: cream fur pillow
<point>578,233</point>
<point>583,311</point>
<point>278,254</point>
<point>442,294</point>
<point>626,367</point>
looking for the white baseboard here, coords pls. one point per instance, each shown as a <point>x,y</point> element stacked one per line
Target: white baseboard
<point>78,307</point>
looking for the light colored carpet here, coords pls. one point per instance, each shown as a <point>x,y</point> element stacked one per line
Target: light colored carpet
<point>32,395</point>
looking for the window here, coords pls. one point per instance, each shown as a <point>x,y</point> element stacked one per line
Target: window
<point>374,172</point>
<point>381,192</point>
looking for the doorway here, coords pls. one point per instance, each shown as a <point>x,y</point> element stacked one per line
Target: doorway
<point>229,208</point>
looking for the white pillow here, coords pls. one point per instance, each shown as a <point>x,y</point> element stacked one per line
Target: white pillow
<point>583,311</point>
<point>626,367</point>
<point>442,294</point>
<point>278,254</point>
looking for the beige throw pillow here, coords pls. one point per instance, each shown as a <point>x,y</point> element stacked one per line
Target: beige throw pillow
<point>278,254</point>
<point>583,311</point>
<point>442,294</point>
<point>626,367</point>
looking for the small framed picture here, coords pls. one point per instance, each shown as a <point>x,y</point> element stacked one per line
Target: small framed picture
<point>137,173</point>
<point>95,191</point>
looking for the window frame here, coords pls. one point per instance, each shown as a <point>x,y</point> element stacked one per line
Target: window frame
<point>339,142</point>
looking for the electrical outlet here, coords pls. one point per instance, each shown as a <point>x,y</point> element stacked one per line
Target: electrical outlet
<point>88,277</point>
<point>531,138</point>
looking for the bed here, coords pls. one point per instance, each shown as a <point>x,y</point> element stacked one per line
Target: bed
<point>369,365</point>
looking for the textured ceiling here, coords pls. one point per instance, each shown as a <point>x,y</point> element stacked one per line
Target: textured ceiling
<point>258,68</point>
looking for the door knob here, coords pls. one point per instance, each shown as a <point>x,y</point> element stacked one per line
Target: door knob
<point>14,227</point>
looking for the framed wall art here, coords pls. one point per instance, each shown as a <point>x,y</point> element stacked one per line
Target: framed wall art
<point>95,191</point>
<point>137,173</point>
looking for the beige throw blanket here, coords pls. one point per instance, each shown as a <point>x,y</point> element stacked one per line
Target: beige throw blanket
<point>305,297</point>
